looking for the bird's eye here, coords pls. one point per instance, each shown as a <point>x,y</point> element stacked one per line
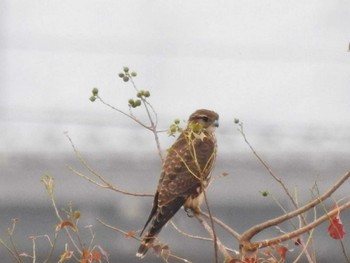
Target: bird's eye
<point>204,118</point>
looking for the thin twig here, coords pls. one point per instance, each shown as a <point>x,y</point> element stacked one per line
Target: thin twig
<point>189,235</point>
<point>300,231</point>
<point>278,180</point>
<point>212,227</point>
<point>309,239</point>
<point>118,230</point>
<point>224,226</point>
<point>154,123</point>
<point>13,253</point>
<point>106,184</point>
<point>52,247</point>
<point>10,232</point>
<point>124,113</point>
<point>109,186</point>
<point>34,250</point>
<point>139,239</point>
<point>324,208</point>
<point>247,235</point>
<point>220,246</point>
<point>49,185</point>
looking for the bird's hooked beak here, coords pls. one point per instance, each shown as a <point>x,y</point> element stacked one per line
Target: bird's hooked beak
<point>216,123</point>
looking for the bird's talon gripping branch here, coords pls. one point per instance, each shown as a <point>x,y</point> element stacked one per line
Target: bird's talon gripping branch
<point>189,212</point>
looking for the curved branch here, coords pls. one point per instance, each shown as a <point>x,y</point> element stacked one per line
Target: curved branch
<point>124,113</point>
<point>247,235</point>
<point>300,231</point>
<point>223,225</point>
<point>154,123</point>
<point>219,245</point>
<point>105,184</point>
<point>189,235</point>
<point>108,185</point>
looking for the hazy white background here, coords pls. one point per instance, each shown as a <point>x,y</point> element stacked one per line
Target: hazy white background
<point>282,67</point>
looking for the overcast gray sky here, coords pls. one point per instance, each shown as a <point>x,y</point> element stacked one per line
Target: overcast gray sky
<point>273,63</point>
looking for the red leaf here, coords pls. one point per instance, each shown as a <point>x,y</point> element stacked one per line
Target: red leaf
<point>130,234</point>
<point>297,242</point>
<point>96,256</point>
<point>336,228</point>
<point>103,252</point>
<point>282,251</point>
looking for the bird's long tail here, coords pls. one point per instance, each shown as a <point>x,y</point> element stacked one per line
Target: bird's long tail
<point>163,215</point>
<point>145,245</point>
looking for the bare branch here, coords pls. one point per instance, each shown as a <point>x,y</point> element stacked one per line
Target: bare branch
<point>189,235</point>
<point>109,186</point>
<point>215,238</point>
<point>247,235</point>
<point>139,239</point>
<point>223,225</point>
<point>277,179</point>
<point>13,252</point>
<point>300,231</point>
<point>105,183</point>
<point>220,246</point>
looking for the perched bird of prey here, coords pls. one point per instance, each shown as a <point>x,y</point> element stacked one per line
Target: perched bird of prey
<point>185,174</point>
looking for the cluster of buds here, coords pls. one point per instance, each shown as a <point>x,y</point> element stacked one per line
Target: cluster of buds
<point>174,128</point>
<point>94,94</point>
<point>125,75</point>
<point>134,103</point>
<point>143,93</point>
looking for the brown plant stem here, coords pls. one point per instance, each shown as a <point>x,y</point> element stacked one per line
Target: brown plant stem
<point>247,235</point>
<point>223,225</point>
<point>220,246</point>
<point>302,230</point>
<point>105,183</point>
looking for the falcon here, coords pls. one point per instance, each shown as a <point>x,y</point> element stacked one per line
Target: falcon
<point>185,174</point>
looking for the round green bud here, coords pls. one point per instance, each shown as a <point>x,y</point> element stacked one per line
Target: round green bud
<point>94,91</point>
<point>131,102</point>
<point>176,121</point>
<point>92,98</point>
<point>121,75</point>
<point>236,120</point>
<point>147,94</point>
<point>126,69</point>
<point>172,129</point>
<point>137,103</point>
<point>133,74</point>
<point>139,94</point>
<point>125,78</point>
<point>265,193</point>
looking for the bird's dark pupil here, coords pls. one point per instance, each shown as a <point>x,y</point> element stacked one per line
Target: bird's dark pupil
<point>205,119</point>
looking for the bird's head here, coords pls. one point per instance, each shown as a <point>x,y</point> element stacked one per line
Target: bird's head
<point>206,119</point>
